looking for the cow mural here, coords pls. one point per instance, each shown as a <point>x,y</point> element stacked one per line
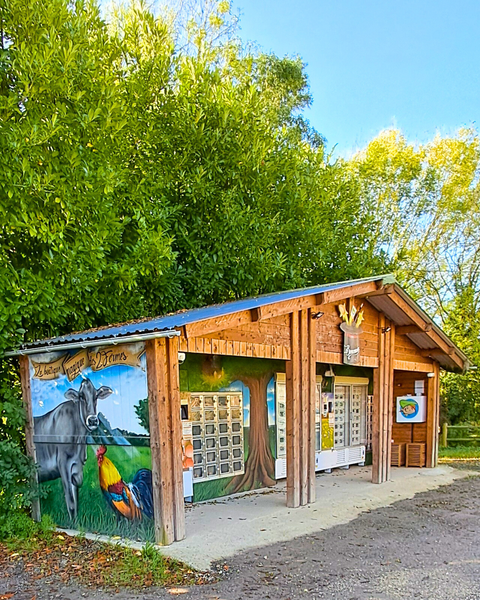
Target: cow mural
<point>87,404</point>
<point>60,439</point>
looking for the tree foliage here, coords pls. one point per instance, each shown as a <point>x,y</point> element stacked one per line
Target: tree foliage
<point>426,202</point>
<point>149,164</point>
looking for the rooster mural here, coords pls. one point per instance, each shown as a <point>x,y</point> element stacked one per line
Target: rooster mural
<point>130,500</point>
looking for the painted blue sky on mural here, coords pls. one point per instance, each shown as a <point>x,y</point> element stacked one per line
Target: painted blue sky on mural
<point>129,385</point>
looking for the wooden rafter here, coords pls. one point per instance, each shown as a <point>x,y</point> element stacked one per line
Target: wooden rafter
<point>413,329</point>
<point>422,323</point>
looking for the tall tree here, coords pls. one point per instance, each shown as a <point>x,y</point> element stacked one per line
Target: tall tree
<point>149,164</point>
<point>426,202</point>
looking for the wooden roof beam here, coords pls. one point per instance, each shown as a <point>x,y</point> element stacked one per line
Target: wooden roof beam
<point>287,306</point>
<point>403,330</point>
<point>200,328</point>
<point>350,291</point>
<point>380,291</point>
<point>437,351</point>
<point>432,334</point>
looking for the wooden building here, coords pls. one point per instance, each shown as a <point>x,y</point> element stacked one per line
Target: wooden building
<point>126,421</point>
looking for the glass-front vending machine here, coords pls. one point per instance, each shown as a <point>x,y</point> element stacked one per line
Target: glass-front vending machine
<point>344,434</point>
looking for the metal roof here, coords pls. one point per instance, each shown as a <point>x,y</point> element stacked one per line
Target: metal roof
<point>176,320</point>
<point>171,323</point>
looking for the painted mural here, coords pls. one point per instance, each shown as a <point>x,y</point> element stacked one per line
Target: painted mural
<point>91,438</point>
<point>247,381</point>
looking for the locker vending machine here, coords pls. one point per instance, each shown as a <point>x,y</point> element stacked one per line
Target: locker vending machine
<point>340,423</point>
<point>345,408</point>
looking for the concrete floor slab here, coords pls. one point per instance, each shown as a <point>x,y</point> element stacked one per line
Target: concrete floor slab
<point>224,527</point>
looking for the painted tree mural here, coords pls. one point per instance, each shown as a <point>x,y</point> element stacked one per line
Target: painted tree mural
<point>213,373</point>
<point>260,465</point>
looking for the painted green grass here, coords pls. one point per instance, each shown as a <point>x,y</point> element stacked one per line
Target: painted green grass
<point>459,452</point>
<point>94,514</point>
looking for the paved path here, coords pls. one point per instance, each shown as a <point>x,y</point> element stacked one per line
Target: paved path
<point>425,548</point>
<point>225,527</point>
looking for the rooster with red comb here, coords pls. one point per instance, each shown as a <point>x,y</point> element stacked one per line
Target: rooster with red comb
<point>130,500</point>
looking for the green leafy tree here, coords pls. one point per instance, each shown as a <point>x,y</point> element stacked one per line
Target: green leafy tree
<point>426,205</point>
<point>150,164</point>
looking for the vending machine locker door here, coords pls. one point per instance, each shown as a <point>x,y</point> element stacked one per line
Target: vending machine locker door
<point>357,407</point>
<point>341,437</point>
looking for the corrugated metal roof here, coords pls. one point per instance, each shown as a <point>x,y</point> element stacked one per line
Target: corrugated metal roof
<point>178,319</point>
<point>173,322</point>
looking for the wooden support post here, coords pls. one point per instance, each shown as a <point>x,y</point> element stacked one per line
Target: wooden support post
<point>389,375</point>
<point>383,402</point>
<point>29,443</point>
<point>165,439</point>
<point>433,411</point>
<point>313,394</point>
<point>293,414</point>
<point>304,406</point>
<point>176,425</point>
<point>301,379</point>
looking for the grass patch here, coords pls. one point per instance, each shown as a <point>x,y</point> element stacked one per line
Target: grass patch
<point>49,554</point>
<point>459,452</point>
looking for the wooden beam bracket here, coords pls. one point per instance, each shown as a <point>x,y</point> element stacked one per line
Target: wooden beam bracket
<point>405,329</point>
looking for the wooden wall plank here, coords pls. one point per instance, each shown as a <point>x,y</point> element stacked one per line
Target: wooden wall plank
<point>403,365</point>
<point>336,358</point>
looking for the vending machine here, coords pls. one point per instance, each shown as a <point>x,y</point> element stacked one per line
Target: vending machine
<point>340,423</point>
<point>344,432</point>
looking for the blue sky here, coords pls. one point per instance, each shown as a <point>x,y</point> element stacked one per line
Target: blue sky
<point>374,64</point>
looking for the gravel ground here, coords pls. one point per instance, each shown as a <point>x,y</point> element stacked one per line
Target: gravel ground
<point>423,548</point>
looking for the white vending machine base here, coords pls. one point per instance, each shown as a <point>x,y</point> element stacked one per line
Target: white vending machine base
<point>342,457</point>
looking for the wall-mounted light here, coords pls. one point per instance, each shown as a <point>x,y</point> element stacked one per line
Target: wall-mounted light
<point>317,315</point>
<point>431,374</point>
<point>181,357</point>
<point>386,329</point>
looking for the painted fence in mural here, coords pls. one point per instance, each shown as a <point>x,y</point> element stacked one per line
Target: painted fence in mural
<point>92,441</point>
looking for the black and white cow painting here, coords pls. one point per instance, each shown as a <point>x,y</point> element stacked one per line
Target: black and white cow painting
<point>60,439</point>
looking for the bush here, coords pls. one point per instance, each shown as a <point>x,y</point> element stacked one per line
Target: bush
<point>19,525</point>
<point>16,474</point>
